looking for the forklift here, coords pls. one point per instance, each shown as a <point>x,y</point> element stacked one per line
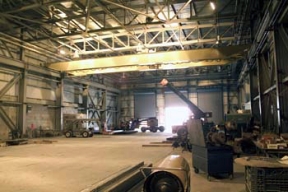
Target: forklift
<point>74,128</point>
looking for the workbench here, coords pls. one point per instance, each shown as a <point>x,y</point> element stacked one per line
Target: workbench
<point>277,153</point>
<point>264,174</point>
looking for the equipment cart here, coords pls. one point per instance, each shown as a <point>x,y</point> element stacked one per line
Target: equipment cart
<point>212,159</point>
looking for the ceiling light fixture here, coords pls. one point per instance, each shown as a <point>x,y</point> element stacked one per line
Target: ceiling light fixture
<point>218,40</point>
<point>212,5</point>
<point>151,50</point>
<point>139,47</point>
<point>76,54</point>
<point>62,52</point>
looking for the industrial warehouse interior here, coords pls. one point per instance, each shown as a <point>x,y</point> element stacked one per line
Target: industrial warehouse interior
<point>143,96</point>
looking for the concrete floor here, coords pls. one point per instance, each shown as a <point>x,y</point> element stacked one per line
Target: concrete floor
<point>71,165</point>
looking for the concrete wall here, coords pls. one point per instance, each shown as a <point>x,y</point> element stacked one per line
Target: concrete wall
<point>38,118</point>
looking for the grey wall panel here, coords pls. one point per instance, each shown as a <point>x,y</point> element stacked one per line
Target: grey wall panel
<point>144,105</point>
<point>41,89</point>
<point>38,93</point>
<point>71,93</point>
<point>212,102</point>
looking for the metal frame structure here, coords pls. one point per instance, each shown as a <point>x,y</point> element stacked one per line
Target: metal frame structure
<point>102,106</point>
<point>270,91</point>
<point>17,75</point>
<point>267,70</point>
<point>99,37</point>
<point>19,102</point>
<point>95,30</point>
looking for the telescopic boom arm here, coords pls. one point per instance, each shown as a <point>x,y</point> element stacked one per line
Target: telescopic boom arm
<point>198,113</point>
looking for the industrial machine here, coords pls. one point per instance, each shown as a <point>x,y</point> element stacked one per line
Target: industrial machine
<point>128,125</point>
<point>152,125</point>
<point>198,114</point>
<point>172,175</point>
<point>237,123</point>
<point>210,153</point>
<point>75,127</point>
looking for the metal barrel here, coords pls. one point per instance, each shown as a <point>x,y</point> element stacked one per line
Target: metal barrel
<point>172,175</point>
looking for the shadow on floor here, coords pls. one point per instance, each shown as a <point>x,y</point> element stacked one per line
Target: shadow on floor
<point>238,177</point>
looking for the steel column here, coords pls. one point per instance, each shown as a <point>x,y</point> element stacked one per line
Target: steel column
<point>259,83</point>
<point>94,108</point>
<point>280,61</point>
<point>59,103</point>
<point>255,103</point>
<point>103,111</point>
<point>23,107</point>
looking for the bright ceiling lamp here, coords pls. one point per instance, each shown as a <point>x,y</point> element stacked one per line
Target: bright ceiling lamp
<point>218,40</point>
<point>212,5</point>
<point>76,54</point>
<point>62,51</point>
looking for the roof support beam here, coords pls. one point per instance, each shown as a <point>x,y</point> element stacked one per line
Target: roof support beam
<point>152,67</point>
<point>231,53</point>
